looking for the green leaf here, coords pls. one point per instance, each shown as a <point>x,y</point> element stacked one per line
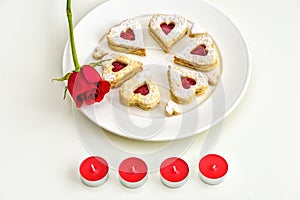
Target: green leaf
<point>64,78</point>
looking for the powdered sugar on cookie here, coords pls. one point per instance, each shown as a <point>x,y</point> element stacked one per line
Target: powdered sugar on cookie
<point>127,37</point>
<point>167,29</point>
<point>146,102</point>
<point>118,77</point>
<point>205,62</point>
<point>186,95</point>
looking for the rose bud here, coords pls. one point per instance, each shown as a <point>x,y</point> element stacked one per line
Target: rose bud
<point>86,86</point>
<point>84,83</point>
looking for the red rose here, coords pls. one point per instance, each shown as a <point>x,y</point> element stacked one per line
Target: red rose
<point>86,86</point>
<point>84,83</point>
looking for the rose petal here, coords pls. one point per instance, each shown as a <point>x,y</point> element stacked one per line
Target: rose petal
<point>71,82</point>
<point>104,86</point>
<point>79,101</point>
<point>87,86</point>
<point>90,74</point>
<point>90,97</point>
<point>80,85</point>
<point>77,86</point>
<point>100,96</point>
<point>102,89</point>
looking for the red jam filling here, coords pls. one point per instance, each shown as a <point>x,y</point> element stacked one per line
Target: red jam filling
<point>143,90</point>
<point>128,35</point>
<point>187,82</point>
<point>118,66</point>
<point>200,50</point>
<point>167,28</point>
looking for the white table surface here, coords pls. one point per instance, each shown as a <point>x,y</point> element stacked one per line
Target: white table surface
<point>39,146</point>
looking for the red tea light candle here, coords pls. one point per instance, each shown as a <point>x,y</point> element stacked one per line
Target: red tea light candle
<point>213,169</point>
<point>93,171</point>
<point>174,172</point>
<point>133,172</point>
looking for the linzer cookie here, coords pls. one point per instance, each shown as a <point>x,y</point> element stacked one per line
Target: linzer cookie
<point>119,68</point>
<point>127,37</point>
<point>200,54</point>
<point>186,84</point>
<point>140,91</point>
<point>167,29</point>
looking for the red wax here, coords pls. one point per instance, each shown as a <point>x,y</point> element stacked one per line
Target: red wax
<point>133,169</point>
<point>213,166</point>
<point>174,169</point>
<point>93,168</point>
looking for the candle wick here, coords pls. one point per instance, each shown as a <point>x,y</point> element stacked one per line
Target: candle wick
<point>93,168</point>
<point>175,169</point>
<point>214,167</point>
<point>133,169</point>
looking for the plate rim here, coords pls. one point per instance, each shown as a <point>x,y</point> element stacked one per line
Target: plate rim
<point>227,111</point>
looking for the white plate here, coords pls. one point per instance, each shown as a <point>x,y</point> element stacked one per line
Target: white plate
<point>153,125</point>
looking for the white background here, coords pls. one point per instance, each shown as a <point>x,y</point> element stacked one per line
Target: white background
<point>40,149</point>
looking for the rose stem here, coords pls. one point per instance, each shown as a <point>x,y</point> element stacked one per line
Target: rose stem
<point>73,48</point>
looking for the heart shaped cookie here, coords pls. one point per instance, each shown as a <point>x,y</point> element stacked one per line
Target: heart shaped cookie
<point>127,37</point>
<point>116,69</point>
<point>185,84</point>
<point>140,91</point>
<point>167,29</point>
<point>200,54</point>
